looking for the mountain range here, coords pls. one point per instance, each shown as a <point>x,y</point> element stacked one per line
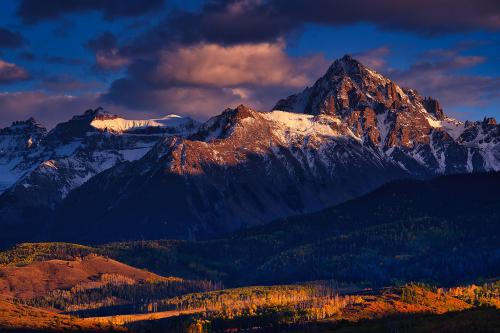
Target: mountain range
<point>99,177</point>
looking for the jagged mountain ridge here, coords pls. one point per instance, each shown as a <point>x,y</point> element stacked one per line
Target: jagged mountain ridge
<point>14,141</point>
<point>40,167</point>
<point>399,121</point>
<point>352,131</point>
<point>242,168</point>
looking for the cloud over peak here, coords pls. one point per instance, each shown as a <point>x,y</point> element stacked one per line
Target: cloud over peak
<point>11,72</point>
<point>257,74</point>
<point>230,66</point>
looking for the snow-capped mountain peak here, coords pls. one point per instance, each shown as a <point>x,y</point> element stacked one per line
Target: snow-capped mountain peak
<point>57,162</point>
<point>352,131</point>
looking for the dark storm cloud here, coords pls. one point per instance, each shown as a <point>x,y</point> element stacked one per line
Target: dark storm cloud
<point>421,16</point>
<point>252,21</point>
<point>223,22</point>
<point>232,22</point>
<point>32,11</point>
<point>10,39</point>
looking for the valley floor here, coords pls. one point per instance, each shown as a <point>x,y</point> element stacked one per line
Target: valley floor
<point>311,307</point>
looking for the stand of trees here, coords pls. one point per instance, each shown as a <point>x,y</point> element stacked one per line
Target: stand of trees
<point>118,291</point>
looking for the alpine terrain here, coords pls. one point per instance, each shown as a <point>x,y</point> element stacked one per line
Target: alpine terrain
<point>99,177</point>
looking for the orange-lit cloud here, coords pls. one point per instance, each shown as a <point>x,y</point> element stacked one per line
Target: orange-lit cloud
<point>11,72</point>
<point>228,66</point>
<point>203,79</point>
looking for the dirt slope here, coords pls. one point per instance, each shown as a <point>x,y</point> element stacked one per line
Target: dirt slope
<point>40,277</point>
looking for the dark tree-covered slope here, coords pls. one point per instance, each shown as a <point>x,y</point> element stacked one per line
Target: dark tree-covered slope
<point>444,231</point>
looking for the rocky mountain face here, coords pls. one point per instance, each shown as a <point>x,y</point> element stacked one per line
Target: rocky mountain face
<point>242,168</point>
<point>352,131</point>
<point>40,168</point>
<point>16,142</point>
<point>407,128</point>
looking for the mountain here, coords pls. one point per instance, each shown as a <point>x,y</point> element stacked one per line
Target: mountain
<point>15,143</point>
<point>241,168</point>
<point>40,167</point>
<point>411,130</point>
<point>349,133</point>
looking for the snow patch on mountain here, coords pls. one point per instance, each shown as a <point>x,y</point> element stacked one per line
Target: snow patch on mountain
<point>433,122</point>
<point>119,125</point>
<point>451,126</point>
<point>303,124</point>
<point>383,126</point>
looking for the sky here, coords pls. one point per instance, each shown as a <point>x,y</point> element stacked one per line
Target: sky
<point>147,59</point>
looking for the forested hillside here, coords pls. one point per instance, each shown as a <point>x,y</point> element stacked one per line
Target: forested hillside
<point>441,231</point>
